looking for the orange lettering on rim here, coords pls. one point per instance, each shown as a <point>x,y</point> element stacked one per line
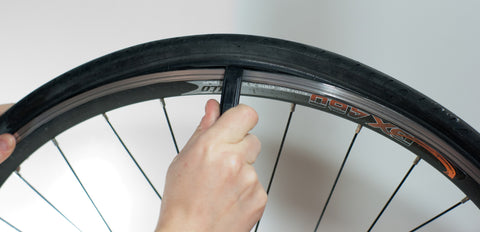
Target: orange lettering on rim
<point>381,125</point>
<point>449,169</point>
<point>393,130</point>
<point>319,100</point>
<point>338,106</point>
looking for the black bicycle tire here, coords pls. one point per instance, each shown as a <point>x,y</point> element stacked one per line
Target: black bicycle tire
<point>252,52</point>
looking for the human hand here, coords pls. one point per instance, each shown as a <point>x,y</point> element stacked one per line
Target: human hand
<point>211,185</point>
<point>7,141</point>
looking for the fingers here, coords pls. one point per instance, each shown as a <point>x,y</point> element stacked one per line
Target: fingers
<point>235,124</point>
<point>254,192</point>
<point>233,127</point>
<point>252,146</point>
<point>230,129</point>
<point>7,145</point>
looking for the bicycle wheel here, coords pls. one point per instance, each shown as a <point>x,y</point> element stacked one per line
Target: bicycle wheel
<point>273,69</point>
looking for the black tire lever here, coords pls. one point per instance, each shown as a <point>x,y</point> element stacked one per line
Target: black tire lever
<point>232,84</point>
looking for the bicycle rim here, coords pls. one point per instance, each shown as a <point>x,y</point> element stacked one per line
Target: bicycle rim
<point>197,69</point>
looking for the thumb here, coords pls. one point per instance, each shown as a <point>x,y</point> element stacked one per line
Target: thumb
<point>212,113</point>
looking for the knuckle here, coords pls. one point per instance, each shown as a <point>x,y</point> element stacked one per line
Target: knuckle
<point>262,198</point>
<point>251,178</point>
<point>249,112</point>
<point>233,164</point>
<point>207,145</point>
<point>255,142</point>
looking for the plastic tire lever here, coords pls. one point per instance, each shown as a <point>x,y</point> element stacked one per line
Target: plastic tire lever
<point>232,84</point>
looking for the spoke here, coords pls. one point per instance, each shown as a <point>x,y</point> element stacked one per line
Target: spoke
<point>292,109</point>
<point>442,213</point>
<point>357,131</point>
<point>164,105</point>
<point>232,85</point>
<point>55,142</point>
<point>415,162</point>
<point>131,156</point>
<point>13,227</point>
<point>45,199</point>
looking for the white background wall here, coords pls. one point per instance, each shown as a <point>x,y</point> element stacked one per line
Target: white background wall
<point>429,45</point>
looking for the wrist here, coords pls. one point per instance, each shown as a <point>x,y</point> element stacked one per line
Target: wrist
<point>173,220</point>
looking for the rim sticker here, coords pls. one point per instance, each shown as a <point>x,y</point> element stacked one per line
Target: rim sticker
<point>386,128</point>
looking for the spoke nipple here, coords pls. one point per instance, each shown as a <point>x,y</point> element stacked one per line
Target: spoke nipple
<point>17,172</point>
<point>18,169</point>
<point>465,200</point>
<point>55,142</point>
<point>163,102</point>
<point>417,159</point>
<point>105,116</point>
<point>359,128</point>
<point>292,107</point>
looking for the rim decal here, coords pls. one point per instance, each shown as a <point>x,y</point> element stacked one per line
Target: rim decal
<point>337,106</point>
<point>375,122</point>
<point>449,169</point>
<point>397,133</point>
<point>387,129</point>
<point>340,108</point>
